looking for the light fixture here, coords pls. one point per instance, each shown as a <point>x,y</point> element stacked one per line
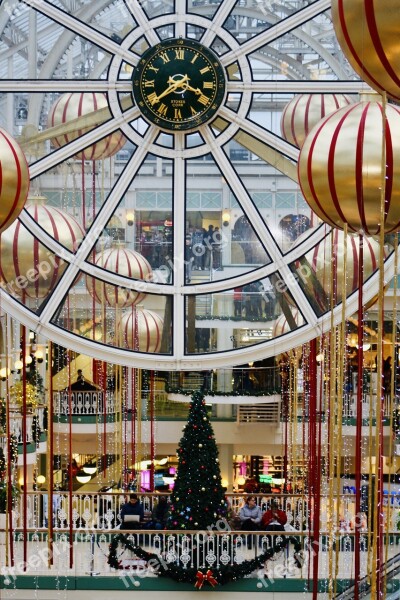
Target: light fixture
<point>224,483</point>
<point>366,347</point>
<point>18,365</point>
<point>130,218</point>
<point>39,356</point>
<point>40,479</point>
<point>83,477</point>
<point>251,364</point>
<point>241,480</point>
<point>28,359</point>
<point>4,373</point>
<point>320,358</point>
<point>89,468</point>
<point>31,335</point>
<point>163,461</point>
<point>226,217</point>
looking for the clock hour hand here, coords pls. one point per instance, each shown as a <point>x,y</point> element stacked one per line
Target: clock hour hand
<point>197,91</point>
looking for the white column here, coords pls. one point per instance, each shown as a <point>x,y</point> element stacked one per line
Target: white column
<point>226,464</point>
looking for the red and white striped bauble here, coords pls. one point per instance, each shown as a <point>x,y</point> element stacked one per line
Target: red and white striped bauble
<point>282,325</point>
<point>303,112</point>
<point>71,106</point>
<point>141,330</point>
<point>27,266</point>
<point>368,33</point>
<point>320,260</point>
<point>14,180</point>
<point>127,263</point>
<point>340,167</point>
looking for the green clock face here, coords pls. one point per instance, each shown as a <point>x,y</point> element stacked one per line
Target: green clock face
<point>178,84</point>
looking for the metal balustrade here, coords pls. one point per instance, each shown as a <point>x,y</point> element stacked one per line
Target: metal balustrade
<point>101,511</point>
<point>88,551</point>
<point>83,402</point>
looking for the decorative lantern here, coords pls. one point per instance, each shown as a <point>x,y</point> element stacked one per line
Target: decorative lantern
<point>340,171</point>
<point>124,262</point>
<point>141,330</point>
<point>368,33</point>
<point>25,262</point>
<point>71,106</point>
<point>14,180</point>
<point>282,325</point>
<point>320,261</point>
<point>303,112</point>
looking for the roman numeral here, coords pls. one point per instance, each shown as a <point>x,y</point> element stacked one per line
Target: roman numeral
<point>149,83</point>
<point>195,57</point>
<point>204,70</point>
<point>180,54</point>
<point>178,114</point>
<point>152,98</point>
<point>203,99</point>
<point>162,109</point>
<point>153,69</point>
<point>208,85</point>
<point>193,111</point>
<point>164,56</point>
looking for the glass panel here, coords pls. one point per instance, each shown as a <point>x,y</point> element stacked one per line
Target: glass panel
<point>244,23</point>
<point>156,8</point>
<point>220,242</point>
<point>138,238</point>
<point>313,270</point>
<point>308,52</point>
<point>80,62</point>
<point>205,8</point>
<point>130,320</point>
<point>240,317</point>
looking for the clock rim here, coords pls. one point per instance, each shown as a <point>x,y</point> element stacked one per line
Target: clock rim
<point>192,123</point>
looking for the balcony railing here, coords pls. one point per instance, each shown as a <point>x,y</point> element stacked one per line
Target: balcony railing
<point>101,511</point>
<point>83,403</point>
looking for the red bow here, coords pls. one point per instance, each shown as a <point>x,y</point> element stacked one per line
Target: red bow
<point>202,577</point>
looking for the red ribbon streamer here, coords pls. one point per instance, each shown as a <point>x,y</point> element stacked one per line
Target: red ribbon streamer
<point>203,577</point>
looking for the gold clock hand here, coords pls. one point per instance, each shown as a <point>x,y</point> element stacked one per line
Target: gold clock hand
<point>174,85</point>
<point>197,91</point>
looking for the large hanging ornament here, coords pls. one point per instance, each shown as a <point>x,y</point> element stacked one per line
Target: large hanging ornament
<point>282,324</point>
<point>369,34</point>
<point>26,265</point>
<point>320,261</point>
<point>303,112</point>
<point>141,330</point>
<point>340,167</point>
<point>71,106</point>
<point>125,262</point>
<point>14,180</point>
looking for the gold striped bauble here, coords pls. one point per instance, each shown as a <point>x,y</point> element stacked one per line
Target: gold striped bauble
<point>14,180</point>
<point>127,263</point>
<point>369,35</point>
<point>141,330</point>
<point>71,106</point>
<point>27,267</point>
<point>340,167</point>
<point>304,111</point>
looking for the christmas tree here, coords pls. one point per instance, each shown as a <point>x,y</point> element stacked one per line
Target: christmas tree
<point>198,499</point>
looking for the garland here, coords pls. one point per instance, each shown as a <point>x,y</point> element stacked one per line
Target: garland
<point>186,392</point>
<point>232,318</point>
<point>220,576</point>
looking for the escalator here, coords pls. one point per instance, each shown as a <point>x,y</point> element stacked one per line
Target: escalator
<point>392,574</point>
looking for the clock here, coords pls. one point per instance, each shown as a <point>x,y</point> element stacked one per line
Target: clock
<point>178,84</point>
